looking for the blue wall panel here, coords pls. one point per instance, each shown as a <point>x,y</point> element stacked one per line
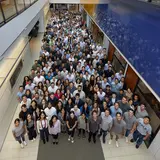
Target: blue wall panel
<point>134,27</point>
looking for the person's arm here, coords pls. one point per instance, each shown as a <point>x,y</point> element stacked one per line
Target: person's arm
<point>14,135</point>
<point>68,124</point>
<point>146,137</point>
<point>75,124</point>
<point>110,125</point>
<point>134,127</point>
<point>38,126</point>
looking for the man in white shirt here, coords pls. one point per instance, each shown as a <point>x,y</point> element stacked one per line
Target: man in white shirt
<point>26,101</point>
<point>119,75</point>
<point>64,72</point>
<point>101,94</point>
<point>38,79</point>
<point>50,111</point>
<point>30,86</point>
<point>53,88</point>
<point>70,77</point>
<point>46,68</point>
<point>46,53</point>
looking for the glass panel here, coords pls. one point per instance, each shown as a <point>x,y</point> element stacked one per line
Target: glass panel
<point>28,3</point>
<point>155,105</point>
<point>9,8</point>
<point>20,5</point>
<point>120,58</point>
<point>117,65</point>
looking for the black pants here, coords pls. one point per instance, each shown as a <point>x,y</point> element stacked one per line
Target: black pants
<point>71,133</point>
<point>31,133</point>
<point>20,138</point>
<point>91,134</point>
<point>44,134</point>
<point>55,137</point>
<point>81,130</point>
<point>103,133</point>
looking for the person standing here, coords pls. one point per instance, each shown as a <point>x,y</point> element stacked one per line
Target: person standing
<point>82,125</point>
<point>106,124</point>
<point>118,128</point>
<point>54,128</point>
<point>31,128</point>
<point>71,125</point>
<point>130,120</point>
<point>19,132</point>
<point>94,126</point>
<point>141,130</point>
<point>42,127</point>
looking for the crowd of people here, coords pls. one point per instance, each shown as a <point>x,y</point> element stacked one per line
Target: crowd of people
<point>73,89</point>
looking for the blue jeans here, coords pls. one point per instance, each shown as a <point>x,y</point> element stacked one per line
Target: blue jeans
<point>127,133</point>
<point>138,138</point>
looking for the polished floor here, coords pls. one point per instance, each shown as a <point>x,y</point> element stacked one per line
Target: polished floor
<point>80,150</point>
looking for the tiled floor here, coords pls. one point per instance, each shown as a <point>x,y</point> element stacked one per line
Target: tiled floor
<point>125,151</point>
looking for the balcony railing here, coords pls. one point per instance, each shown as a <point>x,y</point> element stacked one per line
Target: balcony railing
<point>11,8</point>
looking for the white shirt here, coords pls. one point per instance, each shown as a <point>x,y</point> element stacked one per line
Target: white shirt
<point>30,87</point>
<point>46,54</point>
<point>64,74</point>
<point>50,112</point>
<point>101,95</point>
<point>71,78</point>
<point>36,79</point>
<point>52,90</point>
<point>77,112</point>
<point>28,103</point>
<point>117,75</point>
<point>46,69</point>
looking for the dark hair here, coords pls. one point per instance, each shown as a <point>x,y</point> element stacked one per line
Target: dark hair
<point>23,105</point>
<point>41,114</point>
<point>107,110</point>
<point>51,121</point>
<point>147,118</point>
<point>16,120</point>
<point>94,112</point>
<point>118,113</point>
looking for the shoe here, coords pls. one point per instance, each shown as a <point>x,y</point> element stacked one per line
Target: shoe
<point>69,138</point>
<point>79,136</point>
<point>44,142</point>
<point>117,144</point>
<point>89,140</point>
<point>104,141</point>
<point>21,145</point>
<point>99,136</point>
<point>94,141</point>
<point>137,146</point>
<point>127,140</point>
<point>132,140</point>
<point>72,141</point>
<point>54,142</point>
<point>34,139</point>
<point>110,141</point>
<point>24,142</point>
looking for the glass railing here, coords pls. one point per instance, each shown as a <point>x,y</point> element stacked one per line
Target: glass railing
<point>11,8</point>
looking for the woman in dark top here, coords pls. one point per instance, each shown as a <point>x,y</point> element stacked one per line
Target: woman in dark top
<point>23,113</point>
<point>31,128</point>
<point>86,87</point>
<point>25,81</point>
<point>69,105</point>
<point>85,109</point>
<point>62,117</point>
<point>28,93</point>
<point>59,106</point>
<point>71,125</point>
<point>92,80</point>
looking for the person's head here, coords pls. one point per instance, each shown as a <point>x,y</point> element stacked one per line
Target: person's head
<point>43,101</point>
<point>70,100</point>
<point>21,88</point>
<point>124,100</point>
<point>52,84</point>
<point>121,91</point>
<point>54,119</point>
<point>75,107</point>
<point>24,108</point>
<point>113,95</point>
<point>120,72</point>
<point>107,112</point>
<point>60,104</point>
<point>72,114</point>
<point>79,88</point>
<point>116,105</point>
<point>36,95</point>
<point>136,97</point>
<point>49,105</point>
<point>118,116</point>
<point>42,115</point>
<point>146,120</point>
<point>130,112</point>
<point>77,96</point>
<point>33,104</point>
<point>142,107</point>
<point>29,117</point>
<point>24,98</point>
<point>83,115</point>
<point>130,102</point>
<point>94,114</point>
<point>16,122</point>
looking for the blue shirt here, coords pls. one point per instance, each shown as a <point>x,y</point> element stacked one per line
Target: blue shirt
<point>114,111</point>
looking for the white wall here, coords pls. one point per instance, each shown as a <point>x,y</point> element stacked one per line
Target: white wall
<point>13,29</point>
<point>65,1</point>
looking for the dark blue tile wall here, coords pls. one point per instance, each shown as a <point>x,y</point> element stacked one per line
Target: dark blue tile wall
<point>134,27</point>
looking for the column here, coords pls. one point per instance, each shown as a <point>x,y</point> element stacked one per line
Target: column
<point>41,22</point>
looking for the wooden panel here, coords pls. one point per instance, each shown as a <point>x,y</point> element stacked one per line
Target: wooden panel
<point>131,78</point>
<point>111,51</point>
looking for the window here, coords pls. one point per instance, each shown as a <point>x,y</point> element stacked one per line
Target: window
<point>9,8</point>
<point>20,5</point>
